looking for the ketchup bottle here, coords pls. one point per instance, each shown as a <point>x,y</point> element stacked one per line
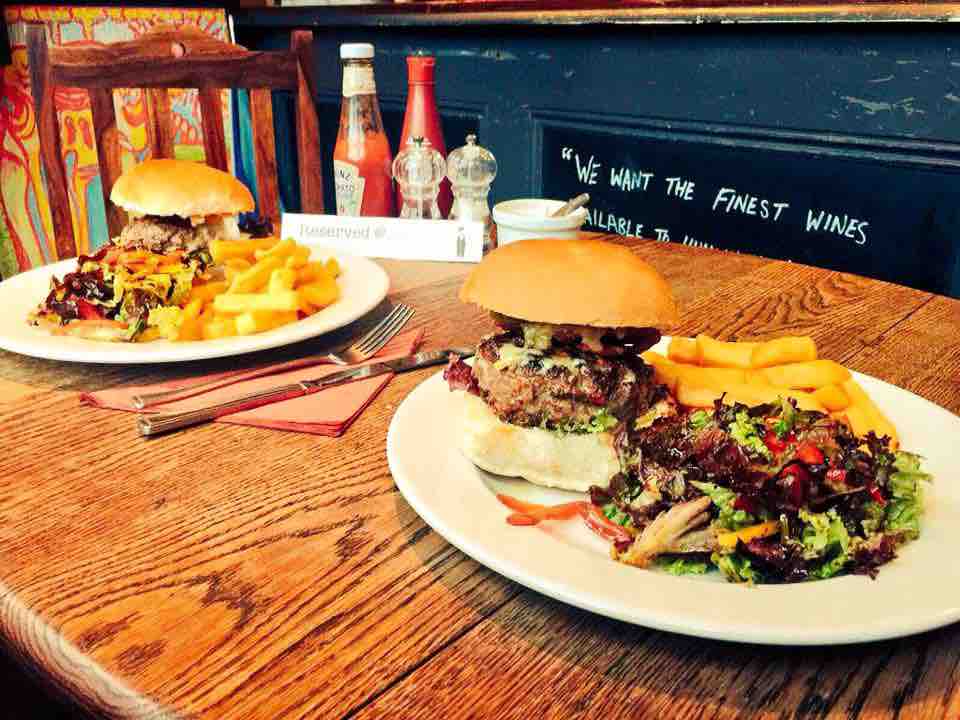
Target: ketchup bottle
<point>362,162</point>
<point>423,120</point>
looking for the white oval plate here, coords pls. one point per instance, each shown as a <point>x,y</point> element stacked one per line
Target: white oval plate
<point>917,591</point>
<point>363,284</point>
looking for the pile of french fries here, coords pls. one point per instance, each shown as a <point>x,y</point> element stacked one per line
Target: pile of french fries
<point>269,282</point>
<point>701,370</point>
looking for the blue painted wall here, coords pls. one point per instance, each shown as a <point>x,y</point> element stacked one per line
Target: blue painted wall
<point>861,120</point>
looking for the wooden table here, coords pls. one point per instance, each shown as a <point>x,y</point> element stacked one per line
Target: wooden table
<point>237,572</point>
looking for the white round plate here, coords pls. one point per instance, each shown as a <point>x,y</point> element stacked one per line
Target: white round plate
<point>917,591</point>
<point>363,284</point>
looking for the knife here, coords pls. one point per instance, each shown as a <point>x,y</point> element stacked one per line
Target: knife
<point>160,423</point>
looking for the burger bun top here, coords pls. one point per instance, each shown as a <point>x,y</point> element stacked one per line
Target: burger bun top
<point>571,282</point>
<point>180,187</point>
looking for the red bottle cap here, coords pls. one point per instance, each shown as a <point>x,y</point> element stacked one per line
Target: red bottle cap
<point>420,69</point>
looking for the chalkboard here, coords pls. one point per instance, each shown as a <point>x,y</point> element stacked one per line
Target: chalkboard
<point>863,212</point>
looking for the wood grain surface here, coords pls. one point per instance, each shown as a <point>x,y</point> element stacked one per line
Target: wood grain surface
<point>235,572</point>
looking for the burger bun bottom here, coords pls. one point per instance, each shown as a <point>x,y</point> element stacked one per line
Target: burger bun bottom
<point>569,462</point>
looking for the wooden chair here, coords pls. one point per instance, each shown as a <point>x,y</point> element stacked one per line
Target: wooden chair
<point>165,59</point>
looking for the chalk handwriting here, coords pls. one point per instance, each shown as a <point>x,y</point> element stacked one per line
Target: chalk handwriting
<point>629,180</point>
<point>678,187</point>
<point>613,223</point>
<point>589,172</point>
<point>693,242</point>
<point>841,225</point>
<point>729,200</point>
<point>663,234</point>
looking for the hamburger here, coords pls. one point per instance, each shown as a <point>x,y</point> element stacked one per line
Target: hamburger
<point>142,278</point>
<point>175,205</point>
<point>560,378</point>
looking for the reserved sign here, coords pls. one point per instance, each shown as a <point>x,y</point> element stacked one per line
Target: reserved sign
<point>397,238</point>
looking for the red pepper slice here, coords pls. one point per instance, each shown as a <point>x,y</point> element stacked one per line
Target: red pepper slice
<point>88,311</point>
<point>810,454</point>
<point>836,476</point>
<point>876,494</point>
<point>797,477</point>
<point>773,443</point>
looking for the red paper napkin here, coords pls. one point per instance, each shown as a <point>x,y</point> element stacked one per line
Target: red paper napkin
<point>328,412</point>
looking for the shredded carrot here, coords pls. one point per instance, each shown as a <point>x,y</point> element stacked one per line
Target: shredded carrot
<point>532,513</point>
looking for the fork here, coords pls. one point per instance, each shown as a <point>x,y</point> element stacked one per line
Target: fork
<point>363,349</point>
<point>371,343</point>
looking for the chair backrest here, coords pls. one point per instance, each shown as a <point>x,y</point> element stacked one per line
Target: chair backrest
<point>163,59</point>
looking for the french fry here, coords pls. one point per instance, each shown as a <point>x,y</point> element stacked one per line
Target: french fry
<point>219,327</point>
<point>857,418</point>
<point>281,279</point>
<point>190,329</point>
<point>874,419</point>
<point>832,397</point>
<point>207,314</point>
<point>191,311</point>
<point>756,377</point>
<point>256,276</point>
<point>718,377</point>
<point>299,258</point>
<point>254,322</point>
<point>664,371</point>
<point>283,250</point>
<point>782,351</point>
<point>321,293</point>
<point>305,307</point>
<point>310,272</point>
<point>236,303</point>
<point>332,267</point>
<point>714,353</point>
<point>233,267</point>
<point>262,243</point>
<point>301,253</point>
<point>224,250</point>
<point>239,263</point>
<point>693,395</point>
<point>683,350</point>
<point>811,374</point>
<point>208,291</point>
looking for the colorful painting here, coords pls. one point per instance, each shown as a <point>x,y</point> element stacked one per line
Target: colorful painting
<point>23,200</point>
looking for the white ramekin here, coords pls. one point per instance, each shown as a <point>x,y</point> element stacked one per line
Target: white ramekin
<point>528,218</point>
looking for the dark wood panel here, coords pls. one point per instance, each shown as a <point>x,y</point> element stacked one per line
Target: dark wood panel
<point>185,57</point>
<point>108,155</point>
<point>211,118</point>
<point>248,71</point>
<point>425,13</point>
<point>160,131</point>
<point>265,154</point>
<point>310,169</point>
<point>42,89</point>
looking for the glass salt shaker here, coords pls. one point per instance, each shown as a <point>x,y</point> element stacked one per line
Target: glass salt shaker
<point>471,170</point>
<point>418,170</point>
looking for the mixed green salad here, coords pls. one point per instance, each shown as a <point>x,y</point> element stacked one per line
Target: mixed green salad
<point>763,494</point>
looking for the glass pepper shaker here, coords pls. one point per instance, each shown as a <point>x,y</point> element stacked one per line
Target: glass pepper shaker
<point>418,170</point>
<point>471,170</point>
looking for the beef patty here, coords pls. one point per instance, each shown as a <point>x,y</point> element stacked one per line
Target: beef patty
<point>163,235</point>
<point>561,388</point>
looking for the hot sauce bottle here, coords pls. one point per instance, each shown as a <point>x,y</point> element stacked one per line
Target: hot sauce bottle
<point>422,119</point>
<point>362,161</point>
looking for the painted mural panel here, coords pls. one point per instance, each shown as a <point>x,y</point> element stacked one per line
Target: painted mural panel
<point>23,201</point>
